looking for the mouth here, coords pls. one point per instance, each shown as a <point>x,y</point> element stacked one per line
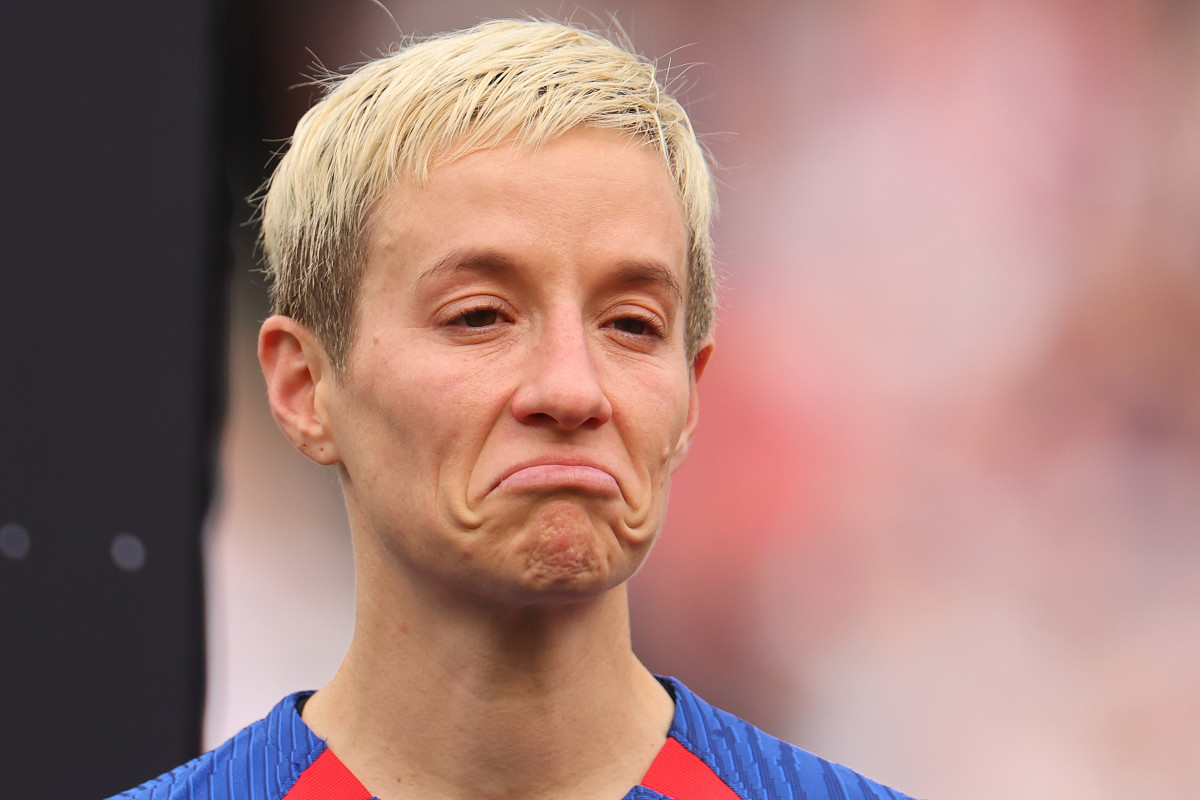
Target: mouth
<point>557,476</point>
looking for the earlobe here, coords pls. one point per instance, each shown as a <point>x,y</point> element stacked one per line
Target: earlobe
<point>297,373</point>
<point>693,418</point>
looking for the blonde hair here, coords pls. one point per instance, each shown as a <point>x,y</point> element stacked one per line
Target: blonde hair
<point>438,100</point>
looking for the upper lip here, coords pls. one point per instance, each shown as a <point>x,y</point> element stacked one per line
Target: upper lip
<point>551,461</point>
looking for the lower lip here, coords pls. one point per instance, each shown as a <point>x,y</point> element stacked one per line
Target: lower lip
<point>549,477</point>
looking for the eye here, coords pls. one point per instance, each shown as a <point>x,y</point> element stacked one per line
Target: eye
<point>631,325</point>
<point>479,317</point>
<point>637,324</point>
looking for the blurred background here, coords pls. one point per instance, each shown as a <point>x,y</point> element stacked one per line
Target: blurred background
<point>942,518</point>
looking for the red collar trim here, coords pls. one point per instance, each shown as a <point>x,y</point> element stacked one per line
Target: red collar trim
<point>327,778</point>
<point>676,773</point>
<point>680,774</point>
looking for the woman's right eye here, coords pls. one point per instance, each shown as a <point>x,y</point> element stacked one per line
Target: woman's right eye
<point>479,317</point>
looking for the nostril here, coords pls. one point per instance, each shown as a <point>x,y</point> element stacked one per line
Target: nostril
<point>543,403</point>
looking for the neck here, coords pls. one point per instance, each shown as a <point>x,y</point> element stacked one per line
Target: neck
<point>483,701</point>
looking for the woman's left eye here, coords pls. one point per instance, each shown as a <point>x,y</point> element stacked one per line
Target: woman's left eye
<point>634,325</point>
<point>638,324</point>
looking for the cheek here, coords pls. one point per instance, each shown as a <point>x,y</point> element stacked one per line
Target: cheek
<point>654,423</point>
<point>432,412</point>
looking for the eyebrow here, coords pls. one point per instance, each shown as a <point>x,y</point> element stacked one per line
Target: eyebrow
<point>484,261</point>
<point>633,273</point>
<point>628,273</point>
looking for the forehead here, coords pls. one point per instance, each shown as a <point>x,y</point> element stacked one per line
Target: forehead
<point>591,198</point>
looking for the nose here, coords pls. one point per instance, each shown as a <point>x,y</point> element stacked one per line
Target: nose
<point>561,387</point>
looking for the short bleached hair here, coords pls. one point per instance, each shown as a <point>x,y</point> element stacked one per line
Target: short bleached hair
<point>440,99</point>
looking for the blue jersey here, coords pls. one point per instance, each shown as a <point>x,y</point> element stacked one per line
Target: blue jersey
<point>710,755</point>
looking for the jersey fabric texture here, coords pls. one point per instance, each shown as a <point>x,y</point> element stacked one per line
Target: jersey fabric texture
<point>710,755</point>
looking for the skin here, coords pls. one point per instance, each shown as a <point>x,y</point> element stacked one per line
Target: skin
<point>516,400</point>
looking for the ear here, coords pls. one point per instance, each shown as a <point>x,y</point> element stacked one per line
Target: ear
<point>299,377</point>
<point>693,417</point>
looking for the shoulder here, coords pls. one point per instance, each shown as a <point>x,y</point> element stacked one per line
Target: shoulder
<point>758,766</point>
<point>261,762</point>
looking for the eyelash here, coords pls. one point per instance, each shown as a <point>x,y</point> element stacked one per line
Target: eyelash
<point>654,325</point>
<point>459,319</point>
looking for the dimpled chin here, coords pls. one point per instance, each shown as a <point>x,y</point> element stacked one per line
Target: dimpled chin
<point>565,549</point>
<point>557,544</point>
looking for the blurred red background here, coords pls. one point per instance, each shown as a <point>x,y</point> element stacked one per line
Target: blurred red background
<point>942,518</point>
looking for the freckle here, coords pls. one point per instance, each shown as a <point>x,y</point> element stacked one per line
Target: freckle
<point>375,339</point>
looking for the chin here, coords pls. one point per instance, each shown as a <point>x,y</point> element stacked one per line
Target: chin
<point>567,555</point>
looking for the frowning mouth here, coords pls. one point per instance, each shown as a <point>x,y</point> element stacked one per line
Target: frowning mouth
<point>548,477</point>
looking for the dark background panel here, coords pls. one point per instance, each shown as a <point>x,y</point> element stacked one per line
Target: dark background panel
<point>110,323</point>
